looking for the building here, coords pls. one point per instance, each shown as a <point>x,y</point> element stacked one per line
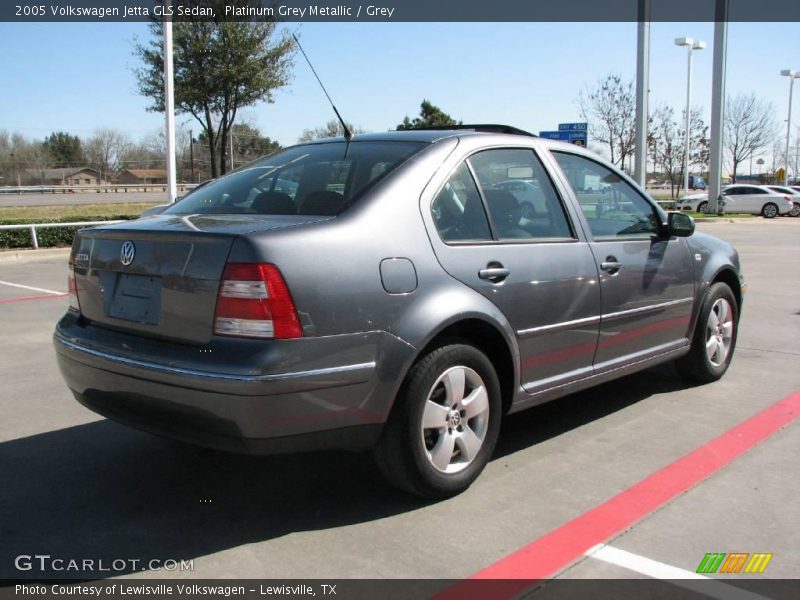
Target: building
<point>143,176</point>
<point>65,176</point>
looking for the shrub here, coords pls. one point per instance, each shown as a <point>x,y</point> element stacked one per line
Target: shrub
<point>50,237</point>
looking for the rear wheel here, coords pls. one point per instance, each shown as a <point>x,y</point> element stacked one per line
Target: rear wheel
<point>444,425</point>
<point>714,337</point>
<point>702,207</point>
<point>770,210</point>
<point>795,212</point>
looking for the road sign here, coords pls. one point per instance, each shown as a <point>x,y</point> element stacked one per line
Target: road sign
<point>573,126</point>
<point>576,137</point>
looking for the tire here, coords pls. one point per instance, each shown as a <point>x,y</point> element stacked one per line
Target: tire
<point>714,338</point>
<point>417,455</point>
<point>769,210</point>
<point>702,207</point>
<point>795,212</point>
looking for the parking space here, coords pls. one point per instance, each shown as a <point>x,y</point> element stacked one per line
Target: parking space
<point>80,486</point>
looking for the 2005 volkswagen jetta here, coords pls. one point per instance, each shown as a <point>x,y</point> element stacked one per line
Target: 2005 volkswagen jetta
<point>400,291</point>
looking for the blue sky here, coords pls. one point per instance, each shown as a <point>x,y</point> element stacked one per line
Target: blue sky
<point>77,77</point>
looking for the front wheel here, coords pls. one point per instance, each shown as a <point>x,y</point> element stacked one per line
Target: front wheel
<point>444,425</point>
<point>714,338</point>
<point>703,207</point>
<point>770,210</point>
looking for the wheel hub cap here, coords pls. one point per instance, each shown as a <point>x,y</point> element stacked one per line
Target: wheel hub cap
<point>454,419</point>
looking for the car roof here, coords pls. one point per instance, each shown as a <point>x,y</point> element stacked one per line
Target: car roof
<point>433,134</point>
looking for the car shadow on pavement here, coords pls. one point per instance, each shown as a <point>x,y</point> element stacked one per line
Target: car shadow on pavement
<point>105,492</point>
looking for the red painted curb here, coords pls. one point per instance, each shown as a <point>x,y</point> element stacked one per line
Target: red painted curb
<point>26,298</point>
<point>556,550</point>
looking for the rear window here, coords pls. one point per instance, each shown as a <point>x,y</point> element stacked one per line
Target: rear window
<point>316,179</point>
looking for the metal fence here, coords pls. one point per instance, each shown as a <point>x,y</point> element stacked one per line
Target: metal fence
<point>100,189</point>
<point>34,226</point>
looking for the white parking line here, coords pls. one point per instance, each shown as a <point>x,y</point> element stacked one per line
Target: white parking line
<point>30,287</point>
<point>680,577</point>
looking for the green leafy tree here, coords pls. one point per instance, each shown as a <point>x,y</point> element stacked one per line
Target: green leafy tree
<point>220,68</point>
<point>64,149</point>
<point>430,115</point>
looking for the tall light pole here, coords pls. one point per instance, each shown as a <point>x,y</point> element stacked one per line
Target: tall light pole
<point>792,75</point>
<point>169,110</point>
<point>691,45</point>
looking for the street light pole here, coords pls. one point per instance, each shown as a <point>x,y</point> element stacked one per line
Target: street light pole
<point>792,75</point>
<point>691,45</point>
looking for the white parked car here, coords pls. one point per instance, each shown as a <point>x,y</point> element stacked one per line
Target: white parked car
<point>793,193</point>
<point>743,198</point>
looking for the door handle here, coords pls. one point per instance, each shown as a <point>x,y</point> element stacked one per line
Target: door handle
<point>611,265</point>
<point>494,272</point>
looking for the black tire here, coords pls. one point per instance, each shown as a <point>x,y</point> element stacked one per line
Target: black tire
<point>795,212</point>
<point>702,207</point>
<point>769,210</point>
<point>402,453</point>
<point>697,365</point>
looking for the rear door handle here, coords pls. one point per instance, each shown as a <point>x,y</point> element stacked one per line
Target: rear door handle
<point>611,265</point>
<point>494,272</point>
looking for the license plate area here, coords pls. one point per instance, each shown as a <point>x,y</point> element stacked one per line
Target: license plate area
<point>135,298</point>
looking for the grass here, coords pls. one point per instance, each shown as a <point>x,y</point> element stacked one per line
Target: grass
<point>34,214</point>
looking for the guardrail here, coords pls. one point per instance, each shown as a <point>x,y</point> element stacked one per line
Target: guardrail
<point>100,189</point>
<point>34,226</point>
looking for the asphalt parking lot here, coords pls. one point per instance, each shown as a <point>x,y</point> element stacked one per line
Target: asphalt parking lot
<point>78,486</point>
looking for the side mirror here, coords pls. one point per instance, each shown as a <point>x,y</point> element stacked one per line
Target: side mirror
<point>680,224</point>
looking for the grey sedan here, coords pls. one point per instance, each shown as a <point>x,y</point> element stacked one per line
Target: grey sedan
<point>390,293</point>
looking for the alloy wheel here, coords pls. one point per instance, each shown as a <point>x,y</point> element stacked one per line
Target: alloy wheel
<point>719,332</point>
<point>455,419</point>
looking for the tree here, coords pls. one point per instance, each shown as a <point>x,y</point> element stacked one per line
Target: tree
<point>64,149</point>
<point>610,109</point>
<point>430,115</point>
<point>249,144</point>
<point>331,129</point>
<point>749,127</point>
<point>220,67</point>
<point>668,144</point>
<point>105,151</point>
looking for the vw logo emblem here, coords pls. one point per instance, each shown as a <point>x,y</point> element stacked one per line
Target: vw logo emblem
<point>127,253</point>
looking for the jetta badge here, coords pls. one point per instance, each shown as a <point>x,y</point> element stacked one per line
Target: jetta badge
<point>127,253</point>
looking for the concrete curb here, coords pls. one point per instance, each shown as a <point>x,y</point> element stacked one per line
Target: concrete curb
<point>33,255</point>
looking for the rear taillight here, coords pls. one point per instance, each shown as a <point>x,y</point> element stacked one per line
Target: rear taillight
<point>254,302</point>
<point>72,287</point>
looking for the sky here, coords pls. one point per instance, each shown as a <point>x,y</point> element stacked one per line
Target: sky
<point>77,77</point>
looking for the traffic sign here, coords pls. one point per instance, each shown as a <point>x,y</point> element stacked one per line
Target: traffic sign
<point>573,126</point>
<point>577,137</point>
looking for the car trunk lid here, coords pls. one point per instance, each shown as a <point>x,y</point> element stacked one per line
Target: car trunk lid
<point>159,276</point>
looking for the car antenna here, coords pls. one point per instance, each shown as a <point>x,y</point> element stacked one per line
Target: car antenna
<point>347,133</point>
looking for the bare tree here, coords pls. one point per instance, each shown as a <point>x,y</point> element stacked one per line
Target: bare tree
<point>331,129</point>
<point>105,151</point>
<point>610,109</point>
<point>668,144</point>
<point>749,128</point>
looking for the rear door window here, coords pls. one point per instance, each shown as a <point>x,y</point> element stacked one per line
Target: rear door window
<point>521,199</point>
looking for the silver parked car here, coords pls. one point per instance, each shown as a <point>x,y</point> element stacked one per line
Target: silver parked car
<point>793,194</point>
<point>742,199</point>
<point>394,294</point>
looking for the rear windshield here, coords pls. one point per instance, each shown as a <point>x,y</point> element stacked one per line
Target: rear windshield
<point>316,179</point>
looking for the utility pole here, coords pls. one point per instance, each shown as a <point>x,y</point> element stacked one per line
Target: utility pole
<point>233,162</point>
<point>191,154</point>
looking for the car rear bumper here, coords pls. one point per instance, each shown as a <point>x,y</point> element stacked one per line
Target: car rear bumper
<point>305,407</point>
